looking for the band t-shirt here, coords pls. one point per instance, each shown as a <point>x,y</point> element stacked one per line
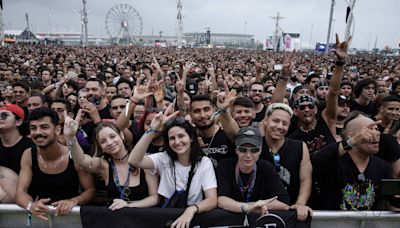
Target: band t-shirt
<point>343,186</point>
<point>219,147</point>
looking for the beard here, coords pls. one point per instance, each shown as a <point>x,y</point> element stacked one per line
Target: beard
<point>205,126</point>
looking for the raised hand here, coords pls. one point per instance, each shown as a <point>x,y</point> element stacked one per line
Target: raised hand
<point>71,125</point>
<point>341,48</point>
<point>159,92</point>
<point>226,98</point>
<point>139,93</point>
<point>287,64</point>
<point>161,118</point>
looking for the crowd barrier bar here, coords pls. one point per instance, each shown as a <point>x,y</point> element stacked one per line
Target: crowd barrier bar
<point>12,216</point>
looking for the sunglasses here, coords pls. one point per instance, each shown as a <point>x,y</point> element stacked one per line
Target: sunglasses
<point>253,150</point>
<point>277,160</point>
<point>310,106</point>
<point>4,115</point>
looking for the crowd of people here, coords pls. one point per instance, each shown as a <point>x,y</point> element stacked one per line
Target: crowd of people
<point>246,131</point>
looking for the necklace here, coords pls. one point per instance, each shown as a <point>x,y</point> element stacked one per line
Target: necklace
<point>121,159</point>
<point>52,165</point>
<point>308,130</point>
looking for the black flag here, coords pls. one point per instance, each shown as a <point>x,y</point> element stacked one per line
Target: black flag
<point>347,13</point>
<point>1,4</point>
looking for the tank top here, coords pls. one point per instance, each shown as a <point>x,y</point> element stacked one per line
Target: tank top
<point>64,185</point>
<point>138,192</point>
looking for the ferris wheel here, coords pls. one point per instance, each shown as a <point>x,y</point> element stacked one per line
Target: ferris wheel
<point>123,22</point>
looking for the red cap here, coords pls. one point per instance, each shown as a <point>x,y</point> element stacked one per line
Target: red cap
<point>18,111</point>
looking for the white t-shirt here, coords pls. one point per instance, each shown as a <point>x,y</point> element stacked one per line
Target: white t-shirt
<point>203,178</point>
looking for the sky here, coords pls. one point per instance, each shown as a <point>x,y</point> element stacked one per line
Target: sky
<point>373,19</point>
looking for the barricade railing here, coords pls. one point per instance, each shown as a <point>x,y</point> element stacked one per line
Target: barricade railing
<point>12,216</point>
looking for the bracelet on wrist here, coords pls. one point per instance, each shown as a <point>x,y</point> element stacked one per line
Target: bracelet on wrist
<point>197,208</point>
<point>244,208</point>
<point>151,131</point>
<point>29,207</point>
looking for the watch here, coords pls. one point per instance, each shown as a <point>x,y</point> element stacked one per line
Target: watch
<point>347,144</point>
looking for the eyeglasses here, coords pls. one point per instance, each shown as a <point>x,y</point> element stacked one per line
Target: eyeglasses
<point>253,150</point>
<point>4,115</point>
<point>277,160</point>
<point>310,106</point>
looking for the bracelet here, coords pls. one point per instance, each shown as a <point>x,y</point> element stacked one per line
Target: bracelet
<point>28,208</point>
<point>197,208</point>
<point>150,131</point>
<point>70,144</point>
<point>244,208</point>
<point>340,62</point>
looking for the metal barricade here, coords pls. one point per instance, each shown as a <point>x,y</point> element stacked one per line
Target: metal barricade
<point>12,216</point>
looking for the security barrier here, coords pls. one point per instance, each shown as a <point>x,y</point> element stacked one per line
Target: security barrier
<point>12,216</point>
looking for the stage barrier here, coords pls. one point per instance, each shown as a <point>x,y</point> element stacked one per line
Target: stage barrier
<point>12,216</point>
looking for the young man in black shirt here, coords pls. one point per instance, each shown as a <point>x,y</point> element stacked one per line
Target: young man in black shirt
<point>247,184</point>
<point>48,175</point>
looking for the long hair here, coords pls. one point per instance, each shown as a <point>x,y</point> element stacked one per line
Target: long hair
<point>96,149</point>
<point>195,149</point>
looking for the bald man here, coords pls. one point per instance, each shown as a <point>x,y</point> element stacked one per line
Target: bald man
<point>351,174</point>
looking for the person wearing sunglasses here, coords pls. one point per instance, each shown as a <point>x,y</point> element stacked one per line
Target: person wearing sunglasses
<point>12,142</point>
<point>246,183</point>
<point>290,157</point>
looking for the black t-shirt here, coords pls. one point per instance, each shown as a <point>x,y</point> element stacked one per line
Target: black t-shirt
<point>10,157</point>
<point>317,138</point>
<point>389,148</point>
<point>369,109</point>
<point>260,115</point>
<point>220,148</point>
<point>291,155</point>
<point>267,183</point>
<point>89,127</point>
<point>343,187</point>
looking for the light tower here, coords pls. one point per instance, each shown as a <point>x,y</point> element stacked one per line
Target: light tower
<point>1,24</point>
<point>329,27</point>
<point>277,37</point>
<point>349,19</point>
<point>85,22</point>
<point>179,27</point>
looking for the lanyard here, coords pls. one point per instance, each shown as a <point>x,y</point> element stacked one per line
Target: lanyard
<point>249,187</point>
<point>125,191</point>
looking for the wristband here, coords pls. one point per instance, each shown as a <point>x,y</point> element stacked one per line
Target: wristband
<point>340,62</point>
<point>244,208</point>
<point>347,144</point>
<point>29,207</point>
<point>197,208</point>
<point>151,131</point>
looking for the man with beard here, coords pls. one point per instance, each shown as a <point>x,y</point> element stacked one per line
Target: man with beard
<point>364,93</point>
<point>311,81</point>
<point>350,174</point>
<point>256,94</point>
<point>321,91</point>
<point>125,88</point>
<point>238,84</point>
<point>217,142</point>
<point>342,112</point>
<point>48,175</point>
<point>96,107</point>
<point>319,130</point>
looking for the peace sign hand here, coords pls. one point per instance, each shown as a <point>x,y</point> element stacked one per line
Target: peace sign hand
<point>71,125</point>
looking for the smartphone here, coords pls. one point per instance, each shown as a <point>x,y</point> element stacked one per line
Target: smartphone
<point>278,67</point>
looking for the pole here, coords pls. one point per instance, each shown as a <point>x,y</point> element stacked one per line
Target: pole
<point>48,18</point>
<point>85,21</point>
<point>179,31</point>
<point>312,25</point>
<point>1,24</point>
<point>329,27</point>
<point>350,19</point>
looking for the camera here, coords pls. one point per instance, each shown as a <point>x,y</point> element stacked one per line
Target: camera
<point>94,100</point>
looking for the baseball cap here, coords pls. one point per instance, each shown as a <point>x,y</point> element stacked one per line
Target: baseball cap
<point>250,135</point>
<point>343,99</point>
<point>15,109</point>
